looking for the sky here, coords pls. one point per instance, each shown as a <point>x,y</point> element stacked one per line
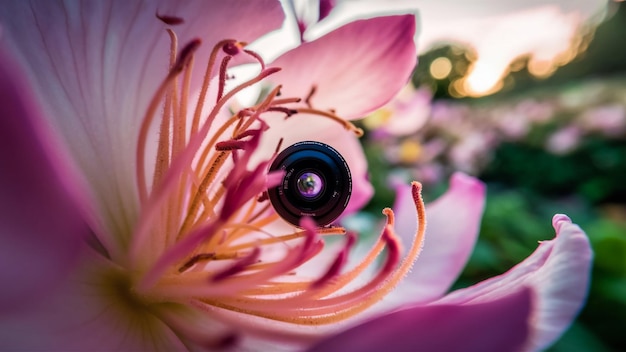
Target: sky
<point>498,30</point>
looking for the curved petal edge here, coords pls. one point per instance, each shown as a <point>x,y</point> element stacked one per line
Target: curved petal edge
<point>499,325</point>
<point>559,272</point>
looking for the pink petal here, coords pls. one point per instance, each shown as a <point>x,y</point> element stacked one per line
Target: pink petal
<point>40,222</point>
<point>500,325</point>
<point>453,223</point>
<point>355,69</point>
<point>96,64</point>
<point>558,271</point>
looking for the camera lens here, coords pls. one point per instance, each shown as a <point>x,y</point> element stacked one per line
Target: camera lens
<point>310,185</point>
<point>317,183</point>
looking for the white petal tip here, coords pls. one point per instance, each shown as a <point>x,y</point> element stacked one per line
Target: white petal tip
<point>558,220</point>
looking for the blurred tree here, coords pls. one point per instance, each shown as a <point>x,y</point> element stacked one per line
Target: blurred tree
<point>439,68</point>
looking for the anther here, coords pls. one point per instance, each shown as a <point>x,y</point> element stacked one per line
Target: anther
<point>195,259</point>
<point>230,145</point>
<point>170,20</point>
<point>185,55</point>
<point>233,48</point>
<point>284,110</point>
<point>239,266</point>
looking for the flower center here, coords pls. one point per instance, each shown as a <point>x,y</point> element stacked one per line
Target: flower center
<point>203,237</point>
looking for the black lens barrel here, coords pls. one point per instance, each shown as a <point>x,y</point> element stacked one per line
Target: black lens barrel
<point>319,159</point>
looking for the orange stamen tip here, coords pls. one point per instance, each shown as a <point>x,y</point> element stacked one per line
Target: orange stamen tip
<point>416,187</point>
<point>390,216</point>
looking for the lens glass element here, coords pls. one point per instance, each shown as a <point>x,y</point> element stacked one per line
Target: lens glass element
<point>310,184</point>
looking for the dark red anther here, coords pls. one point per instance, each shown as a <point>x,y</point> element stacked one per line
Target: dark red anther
<point>283,109</point>
<point>230,145</point>
<point>185,55</point>
<point>232,48</point>
<point>170,20</point>
<point>239,266</point>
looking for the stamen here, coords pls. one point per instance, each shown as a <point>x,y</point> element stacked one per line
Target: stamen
<point>207,219</point>
<point>222,78</point>
<point>205,83</point>
<point>182,60</point>
<point>285,101</point>
<point>346,124</point>
<point>204,257</point>
<point>284,110</point>
<point>337,265</point>
<point>307,309</point>
<point>162,158</point>
<point>257,57</point>
<point>238,266</point>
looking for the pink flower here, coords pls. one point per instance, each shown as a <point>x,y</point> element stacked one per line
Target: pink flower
<point>133,215</point>
<point>406,114</point>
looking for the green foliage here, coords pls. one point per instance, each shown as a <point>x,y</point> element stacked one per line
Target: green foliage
<point>595,170</point>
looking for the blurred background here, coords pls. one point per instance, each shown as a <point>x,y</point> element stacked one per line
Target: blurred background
<point>530,97</point>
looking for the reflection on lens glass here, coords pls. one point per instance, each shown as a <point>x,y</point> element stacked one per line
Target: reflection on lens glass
<point>310,184</point>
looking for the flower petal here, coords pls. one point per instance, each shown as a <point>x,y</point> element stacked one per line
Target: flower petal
<point>500,325</point>
<point>96,65</point>
<point>40,221</point>
<point>559,272</point>
<point>355,68</point>
<point>453,223</point>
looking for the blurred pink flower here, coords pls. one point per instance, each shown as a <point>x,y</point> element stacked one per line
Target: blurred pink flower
<point>131,217</point>
<point>609,119</point>
<point>405,114</point>
<point>564,140</point>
